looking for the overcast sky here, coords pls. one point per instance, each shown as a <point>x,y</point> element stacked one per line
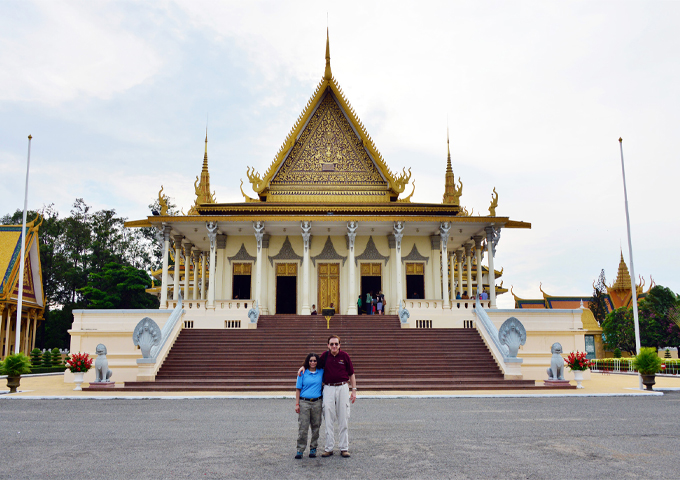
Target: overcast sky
<point>116,96</point>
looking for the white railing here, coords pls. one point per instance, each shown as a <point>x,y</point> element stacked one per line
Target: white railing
<point>438,304</point>
<point>511,366</point>
<point>193,305</point>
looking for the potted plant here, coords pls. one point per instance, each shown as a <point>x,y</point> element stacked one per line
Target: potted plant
<point>14,366</point>
<point>647,363</point>
<point>78,364</point>
<point>578,363</point>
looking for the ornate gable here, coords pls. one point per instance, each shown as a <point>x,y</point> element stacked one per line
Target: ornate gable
<point>328,156</point>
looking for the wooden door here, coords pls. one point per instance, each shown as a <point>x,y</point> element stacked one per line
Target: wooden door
<point>329,286</point>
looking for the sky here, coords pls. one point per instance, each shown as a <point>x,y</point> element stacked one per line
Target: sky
<point>117,96</point>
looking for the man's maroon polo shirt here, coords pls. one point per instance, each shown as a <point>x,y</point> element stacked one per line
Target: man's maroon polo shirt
<point>338,368</point>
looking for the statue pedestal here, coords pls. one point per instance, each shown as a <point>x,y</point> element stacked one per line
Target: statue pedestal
<point>556,383</point>
<point>101,386</point>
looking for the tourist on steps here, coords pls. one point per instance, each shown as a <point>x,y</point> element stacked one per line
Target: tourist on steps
<point>313,310</point>
<point>338,372</point>
<point>308,405</point>
<point>359,305</point>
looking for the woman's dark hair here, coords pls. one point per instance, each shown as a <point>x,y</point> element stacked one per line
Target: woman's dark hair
<point>306,365</point>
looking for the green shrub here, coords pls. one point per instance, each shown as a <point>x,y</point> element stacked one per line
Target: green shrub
<point>56,357</point>
<point>15,364</point>
<point>617,353</point>
<point>647,362</point>
<point>667,354</point>
<point>36,357</point>
<point>47,359</point>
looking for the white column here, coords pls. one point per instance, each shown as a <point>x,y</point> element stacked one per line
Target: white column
<point>468,260</point>
<point>164,276</point>
<point>221,245</point>
<point>435,244</point>
<point>460,257</point>
<point>203,276</point>
<point>398,235</point>
<point>196,261</point>
<point>178,265</point>
<point>444,228</point>
<point>306,233</point>
<point>35,326</point>
<point>212,236</point>
<point>452,280</point>
<point>352,294</point>
<point>187,270</point>
<point>259,232</point>
<point>478,250</point>
<point>492,237</point>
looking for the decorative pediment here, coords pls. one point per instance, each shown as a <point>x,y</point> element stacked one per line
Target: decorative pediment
<point>371,253</point>
<point>414,256</point>
<point>286,253</point>
<point>328,156</point>
<point>329,253</point>
<point>242,255</point>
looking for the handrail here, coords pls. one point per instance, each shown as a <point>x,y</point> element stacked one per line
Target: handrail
<point>168,328</point>
<point>491,330</point>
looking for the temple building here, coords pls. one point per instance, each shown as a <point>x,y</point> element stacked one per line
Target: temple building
<point>33,300</point>
<point>328,222</point>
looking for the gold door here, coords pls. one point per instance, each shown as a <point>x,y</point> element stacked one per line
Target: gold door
<point>329,286</point>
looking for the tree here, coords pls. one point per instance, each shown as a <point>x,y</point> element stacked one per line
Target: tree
<point>618,330</point>
<point>598,303</point>
<point>119,286</point>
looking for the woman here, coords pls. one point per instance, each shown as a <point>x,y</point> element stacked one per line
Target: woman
<point>308,405</point>
<point>380,303</point>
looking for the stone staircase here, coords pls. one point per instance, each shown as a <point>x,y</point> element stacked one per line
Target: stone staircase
<point>385,356</point>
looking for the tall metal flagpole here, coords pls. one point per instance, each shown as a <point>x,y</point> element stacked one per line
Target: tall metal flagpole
<point>632,267</point>
<point>20,285</point>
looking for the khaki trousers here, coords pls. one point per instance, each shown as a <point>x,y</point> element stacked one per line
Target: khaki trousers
<point>336,407</point>
<point>310,415</point>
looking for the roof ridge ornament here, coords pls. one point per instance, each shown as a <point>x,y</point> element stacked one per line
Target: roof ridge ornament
<point>327,75</point>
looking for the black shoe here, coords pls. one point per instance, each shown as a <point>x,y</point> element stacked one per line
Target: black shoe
<point>312,453</point>
<point>298,455</point>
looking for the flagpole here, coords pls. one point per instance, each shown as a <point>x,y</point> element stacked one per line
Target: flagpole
<point>632,266</point>
<point>20,285</point>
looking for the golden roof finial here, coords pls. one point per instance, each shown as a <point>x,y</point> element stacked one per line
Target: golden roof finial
<point>202,185</point>
<point>327,75</point>
<point>452,193</point>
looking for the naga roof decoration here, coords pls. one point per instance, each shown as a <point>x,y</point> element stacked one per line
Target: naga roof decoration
<point>328,155</point>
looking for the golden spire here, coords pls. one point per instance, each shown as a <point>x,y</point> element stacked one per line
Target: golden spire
<point>451,193</point>
<point>623,281</point>
<point>327,75</point>
<point>202,187</point>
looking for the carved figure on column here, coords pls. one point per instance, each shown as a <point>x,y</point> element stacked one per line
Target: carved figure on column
<point>306,233</point>
<point>259,232</point>
<point>212,233</point>
<point>493,235</point>
<point>101,365</point>
<point>444,229</point>
<point>352,233</point>
<point>398,233</point>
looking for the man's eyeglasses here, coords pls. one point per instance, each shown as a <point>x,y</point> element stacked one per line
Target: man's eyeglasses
<point>333,344</point>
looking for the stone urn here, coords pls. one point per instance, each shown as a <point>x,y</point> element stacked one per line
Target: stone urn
<point>647,380</point>
<point>13,383</point>
<point>78,380</point>
<point>578,376</point>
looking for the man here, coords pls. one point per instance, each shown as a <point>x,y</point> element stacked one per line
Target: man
<point>338,372</point>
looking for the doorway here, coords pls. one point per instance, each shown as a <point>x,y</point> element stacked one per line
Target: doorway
<point>329,286</point>
<point>241,281</point>
<point>286,288</point>
<point>415,280</point>
<point>371,282</point>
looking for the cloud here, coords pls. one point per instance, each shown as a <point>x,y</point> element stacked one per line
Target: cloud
<point>54,52</point>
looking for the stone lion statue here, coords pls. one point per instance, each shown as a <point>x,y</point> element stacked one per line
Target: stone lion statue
<point>556,370</point>
<point>101,365</point>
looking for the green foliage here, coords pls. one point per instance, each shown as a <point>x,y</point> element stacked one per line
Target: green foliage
<point>617,353</point>
<point>56,357</point>
<point>36,357</point>
<point>119,286</point>
<point>647,362</point>
<point>47,359</point>
<point>15,364</point>
<point>598,302</point>
<point>618,330</point>
<point>667,354</point>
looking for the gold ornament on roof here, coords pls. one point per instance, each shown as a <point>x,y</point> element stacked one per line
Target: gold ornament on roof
<point>202,185</point>
<point>452,193</point>
<point>494,203</point>
<point>408,199</point>
<point>163,201</point>
<point>247,198</point>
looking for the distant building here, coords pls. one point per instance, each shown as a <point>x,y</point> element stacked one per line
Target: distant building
<point>33,301</point>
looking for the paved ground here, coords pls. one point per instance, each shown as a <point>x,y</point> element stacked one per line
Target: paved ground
<point>564,437</point>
